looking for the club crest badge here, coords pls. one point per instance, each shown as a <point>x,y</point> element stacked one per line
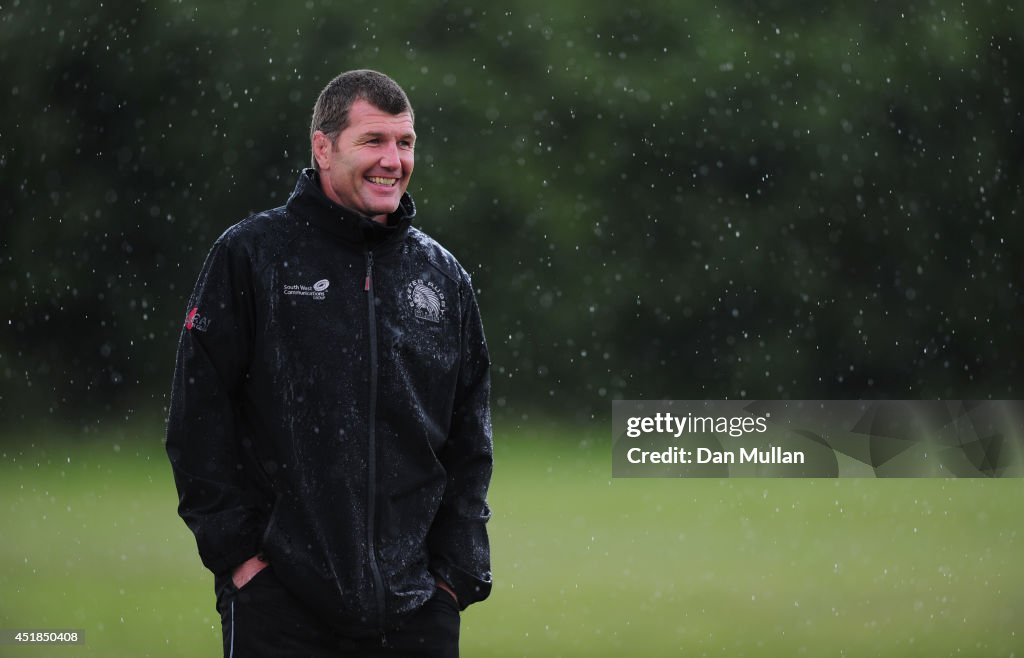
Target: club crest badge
<point>426,301</point>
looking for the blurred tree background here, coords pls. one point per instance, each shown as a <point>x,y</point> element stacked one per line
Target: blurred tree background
<point>656,200</point>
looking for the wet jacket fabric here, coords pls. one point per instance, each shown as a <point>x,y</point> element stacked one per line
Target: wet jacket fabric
<point>330,411</point>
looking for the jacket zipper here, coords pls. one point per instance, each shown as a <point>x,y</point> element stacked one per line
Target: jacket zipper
<point>371,469</point>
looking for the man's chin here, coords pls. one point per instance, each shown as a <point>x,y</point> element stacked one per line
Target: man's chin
<point>379,213</point>
<point>375,209</point>
<point>384,208</point>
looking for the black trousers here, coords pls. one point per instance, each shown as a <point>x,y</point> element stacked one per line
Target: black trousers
<point>264,619</point>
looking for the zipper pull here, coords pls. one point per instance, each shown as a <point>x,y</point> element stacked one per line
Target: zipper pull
<point>369,270</point>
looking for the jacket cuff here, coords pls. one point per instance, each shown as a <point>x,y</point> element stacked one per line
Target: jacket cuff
<point>223,553</point>
<point>226,564</point>
<point>468,588</point>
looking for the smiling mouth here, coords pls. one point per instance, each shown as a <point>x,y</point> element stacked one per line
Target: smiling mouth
<point>380,180</point>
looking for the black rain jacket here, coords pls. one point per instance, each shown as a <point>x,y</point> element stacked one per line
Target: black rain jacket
<point>330,411</point>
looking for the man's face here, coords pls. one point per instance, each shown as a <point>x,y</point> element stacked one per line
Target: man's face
<point>368,166</point>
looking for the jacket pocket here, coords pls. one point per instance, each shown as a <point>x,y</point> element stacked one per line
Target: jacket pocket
<point>257,580</point>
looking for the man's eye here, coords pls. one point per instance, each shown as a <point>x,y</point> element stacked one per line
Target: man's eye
<point>405,144</point>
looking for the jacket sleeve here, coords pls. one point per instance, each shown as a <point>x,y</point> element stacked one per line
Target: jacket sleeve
<point>225,515</point>
<point>459,549</point>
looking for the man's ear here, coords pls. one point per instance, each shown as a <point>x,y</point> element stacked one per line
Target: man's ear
<point>322,149</point>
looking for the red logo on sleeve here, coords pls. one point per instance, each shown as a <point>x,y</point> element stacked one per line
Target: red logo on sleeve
<point>195,321</point>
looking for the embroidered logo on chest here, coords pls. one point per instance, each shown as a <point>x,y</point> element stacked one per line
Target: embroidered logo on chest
<point>316,291</point>
<point>425,300</point>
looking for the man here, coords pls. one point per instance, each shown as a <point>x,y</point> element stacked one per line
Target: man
<point>329,425</point>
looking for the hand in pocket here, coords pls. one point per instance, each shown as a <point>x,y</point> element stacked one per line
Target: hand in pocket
<point>245,572</point>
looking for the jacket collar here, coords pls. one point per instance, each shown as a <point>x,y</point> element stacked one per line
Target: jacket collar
<point>309,202</point>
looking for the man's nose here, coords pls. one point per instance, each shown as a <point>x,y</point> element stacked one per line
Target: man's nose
<point>389,158</point>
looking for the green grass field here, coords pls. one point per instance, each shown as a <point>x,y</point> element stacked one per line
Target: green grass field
<point>584,565</point>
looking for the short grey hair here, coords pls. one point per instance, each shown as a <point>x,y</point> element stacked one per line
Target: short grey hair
<point>330,114</point>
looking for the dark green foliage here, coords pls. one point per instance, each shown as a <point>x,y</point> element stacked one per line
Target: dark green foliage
<point>656,200</point>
